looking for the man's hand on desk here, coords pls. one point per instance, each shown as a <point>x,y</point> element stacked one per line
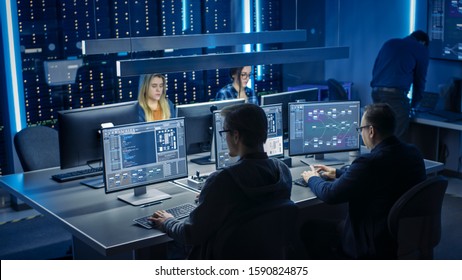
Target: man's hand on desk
<point>323,171</point>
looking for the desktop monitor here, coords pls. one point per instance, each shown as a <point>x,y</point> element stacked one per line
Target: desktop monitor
<point>318,128</point>
<point>284,98</point>
<point>274,146</point>
<point>222,157</point>
<point>140,154</point>
<point>80,131</point>
<point>61,72</point>
<point>198,122</point>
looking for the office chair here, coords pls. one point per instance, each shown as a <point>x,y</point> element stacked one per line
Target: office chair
<point>336,90</point>
<point>414,220</point>
<point>37,147</point>
<point>36,237</point>
<point>263,232</point>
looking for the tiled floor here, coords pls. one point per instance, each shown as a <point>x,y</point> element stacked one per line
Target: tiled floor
<point>8,214</point>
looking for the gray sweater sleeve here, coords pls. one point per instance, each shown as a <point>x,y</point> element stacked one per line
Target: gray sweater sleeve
<point>175,229</point>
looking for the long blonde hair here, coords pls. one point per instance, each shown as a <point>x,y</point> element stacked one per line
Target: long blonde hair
<point>163,102</point>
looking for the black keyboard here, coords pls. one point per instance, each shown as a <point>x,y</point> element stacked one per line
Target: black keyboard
<point>300,182</point>
<point>74,175</point>
<point>179,212</point>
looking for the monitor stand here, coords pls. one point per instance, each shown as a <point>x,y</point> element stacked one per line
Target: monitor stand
<point>320,159</point>
<point>95,183</point>
<point>209,159</point>
<point>141,196</point>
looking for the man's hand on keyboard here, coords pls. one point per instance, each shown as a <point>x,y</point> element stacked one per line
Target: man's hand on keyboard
<point>326,172</point>
<point>159,217</point>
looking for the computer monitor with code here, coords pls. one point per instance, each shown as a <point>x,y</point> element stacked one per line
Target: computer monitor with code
<point>141,154</point>
<point>319,128</point>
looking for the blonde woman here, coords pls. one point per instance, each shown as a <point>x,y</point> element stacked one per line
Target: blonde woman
<point>152,99</point>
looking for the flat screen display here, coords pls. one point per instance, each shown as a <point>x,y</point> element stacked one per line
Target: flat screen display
<point>323,127</point>
<point>198,121</point>
<point>80,131</point>
<point>285,98</point>
<point>444,23</point>
<point>142,154</point>
<point>274,146</point>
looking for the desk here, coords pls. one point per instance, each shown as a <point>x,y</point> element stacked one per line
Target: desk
<point>102,225</point>
<point>303,196</point>
<point>438,123</point>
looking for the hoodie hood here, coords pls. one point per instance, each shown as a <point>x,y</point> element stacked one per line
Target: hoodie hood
<point>253,171</point>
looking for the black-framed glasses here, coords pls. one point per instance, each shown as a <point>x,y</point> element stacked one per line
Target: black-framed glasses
<point>359,129</point>
<point>223,131</point>
<point>245,75</point>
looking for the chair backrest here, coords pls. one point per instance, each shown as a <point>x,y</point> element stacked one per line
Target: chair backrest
<point>414,220</point>
<point>263,232</point>
<point>37,147</point>
<point>336,90</point>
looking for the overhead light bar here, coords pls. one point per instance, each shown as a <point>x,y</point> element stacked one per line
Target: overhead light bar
<point>135,67</point>
<point>412,10</point>
<point>139,44</point>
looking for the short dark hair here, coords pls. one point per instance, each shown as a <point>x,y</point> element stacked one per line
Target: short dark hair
<point>382,117</point>
<point>250,120</point>
<point>421,36</point>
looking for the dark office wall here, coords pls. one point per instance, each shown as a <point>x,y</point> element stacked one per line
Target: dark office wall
<point>308,15</point>
<point>364,26</point>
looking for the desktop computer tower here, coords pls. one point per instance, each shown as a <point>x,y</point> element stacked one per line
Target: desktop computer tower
<point>452,96</point>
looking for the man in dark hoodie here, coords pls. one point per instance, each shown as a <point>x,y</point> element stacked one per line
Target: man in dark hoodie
<point>370,186</point>
<point>226,193</point>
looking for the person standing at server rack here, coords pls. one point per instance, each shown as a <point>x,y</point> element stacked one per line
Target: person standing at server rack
<point>400,63</point>
<point>152,99</point>
<point>370,186</point>
<point>238,88</point>
<point>227,193</point>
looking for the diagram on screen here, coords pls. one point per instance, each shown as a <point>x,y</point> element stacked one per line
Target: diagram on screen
<point>331,127</point>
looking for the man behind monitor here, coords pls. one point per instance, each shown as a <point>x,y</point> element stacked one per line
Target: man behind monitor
<point>254,179</point>
<point>400,63</point>
<point>371,186</point>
